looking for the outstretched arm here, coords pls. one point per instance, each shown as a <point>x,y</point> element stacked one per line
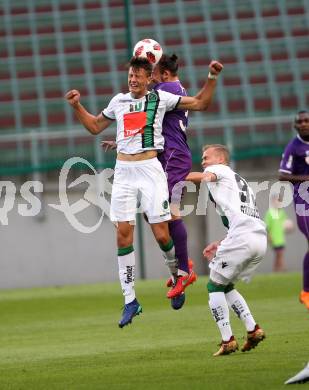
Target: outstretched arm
<point>202,100</point>
<point>94,124</point>
<point>293,178</point>
<point>198,177</point>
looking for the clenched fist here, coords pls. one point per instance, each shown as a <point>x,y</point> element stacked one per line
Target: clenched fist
<point>215,67</point>
<point>73,97</point>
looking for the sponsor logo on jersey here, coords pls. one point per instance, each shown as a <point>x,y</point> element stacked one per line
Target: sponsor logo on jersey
<point>134,123</point>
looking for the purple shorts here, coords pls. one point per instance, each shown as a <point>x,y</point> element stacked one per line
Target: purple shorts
<point>177,165</point>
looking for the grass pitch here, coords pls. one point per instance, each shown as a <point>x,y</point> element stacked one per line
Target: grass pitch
<point>68,338</point>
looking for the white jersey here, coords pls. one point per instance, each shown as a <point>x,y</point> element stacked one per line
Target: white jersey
<point>139,121</point>
<point>234,200</point>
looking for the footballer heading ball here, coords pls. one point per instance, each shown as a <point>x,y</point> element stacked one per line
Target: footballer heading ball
<point>148,48</point>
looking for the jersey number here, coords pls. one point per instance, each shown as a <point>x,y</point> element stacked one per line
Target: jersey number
<point>245,192</point>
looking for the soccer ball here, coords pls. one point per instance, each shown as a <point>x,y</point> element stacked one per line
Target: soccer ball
<point>148,48</point>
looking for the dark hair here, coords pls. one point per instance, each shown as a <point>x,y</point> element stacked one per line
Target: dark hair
<point>169,63</point>
<point>300,112</point>
<point>141,63</point>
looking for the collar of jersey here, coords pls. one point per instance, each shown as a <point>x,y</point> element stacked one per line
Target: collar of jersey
<point>302,140</point>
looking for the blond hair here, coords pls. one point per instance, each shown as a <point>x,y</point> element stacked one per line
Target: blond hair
<point>221,149</point>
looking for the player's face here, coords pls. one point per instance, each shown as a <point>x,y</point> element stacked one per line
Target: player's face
<point>211,157</point>
<point>138,82</point>
<point>302,125</point>
<point>156,75</point>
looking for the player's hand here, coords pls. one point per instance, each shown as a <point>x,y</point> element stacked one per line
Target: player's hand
<point>215,67</point>
<point>73,97</point>
<point>108,145</point>
<point>210,251</point>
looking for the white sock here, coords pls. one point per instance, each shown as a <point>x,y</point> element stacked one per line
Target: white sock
<point>220,312</point>
<point>170,258</point>
<point>126,264</point>
<point>238,304</point>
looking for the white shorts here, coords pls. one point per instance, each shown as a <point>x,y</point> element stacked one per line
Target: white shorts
<point>237,257</point>
<point>142,182</point>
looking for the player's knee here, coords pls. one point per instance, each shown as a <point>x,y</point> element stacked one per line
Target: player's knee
<point>124,238</point>
<point>161,234</point>
<point>163,239</point>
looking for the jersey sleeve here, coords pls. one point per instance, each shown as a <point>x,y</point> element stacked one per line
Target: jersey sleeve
<point>170,99</point>
<point>217,170</point>
<point>109,111</point>
<point>286,165</point>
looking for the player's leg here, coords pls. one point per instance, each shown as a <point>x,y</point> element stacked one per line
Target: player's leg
<point>186,275</point>
<point>238,304</point>
<point>126,260</point>
<point>252,257</point>
<point>177,164</point>
<point>161,232</point>
<point>303,225</point>
<point>220,312</point>
<point>152,185</point>
<point>123,208</point>
<point>279,259</point>
<point>178,232</point>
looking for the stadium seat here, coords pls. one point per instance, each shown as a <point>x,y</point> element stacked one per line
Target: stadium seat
<point>30,120</point>
<point>262,104</point>
<point>92,5</point>
<point>6,97</point>
<point>213,27</point>
<point>238,105</point>
<point>295,10</point>
<point>45,8</point>
<point>289,102</point>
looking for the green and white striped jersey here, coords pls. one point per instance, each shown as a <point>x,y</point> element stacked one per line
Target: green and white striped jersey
<point>139,121</point>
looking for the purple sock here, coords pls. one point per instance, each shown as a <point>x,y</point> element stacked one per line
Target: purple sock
<point>178,233</point>
<point>306,272</point>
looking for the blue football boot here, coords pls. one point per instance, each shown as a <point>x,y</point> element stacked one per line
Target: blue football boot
<point>178,301</point>
<point>130,310</point>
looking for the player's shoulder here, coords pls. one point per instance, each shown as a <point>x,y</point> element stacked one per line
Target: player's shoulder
<point>293,144</point>
<point>173,87</point>
<point>300,141</point>
<point>119,96</point>
<point>162,93</point>
<point>220,170</point>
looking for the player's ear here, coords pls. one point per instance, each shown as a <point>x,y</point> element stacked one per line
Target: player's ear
<point>165,75</point>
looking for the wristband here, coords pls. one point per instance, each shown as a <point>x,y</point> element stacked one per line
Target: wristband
<point>212,76</point>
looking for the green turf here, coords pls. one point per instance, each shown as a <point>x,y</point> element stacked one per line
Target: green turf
<point>68,338</point>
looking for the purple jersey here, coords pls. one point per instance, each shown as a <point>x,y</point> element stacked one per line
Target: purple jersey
<point>295,161</point>
<point>175,122</point>
<point>176,158</point>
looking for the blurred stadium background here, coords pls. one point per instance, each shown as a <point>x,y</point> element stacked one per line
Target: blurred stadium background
<point>49,47</point>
